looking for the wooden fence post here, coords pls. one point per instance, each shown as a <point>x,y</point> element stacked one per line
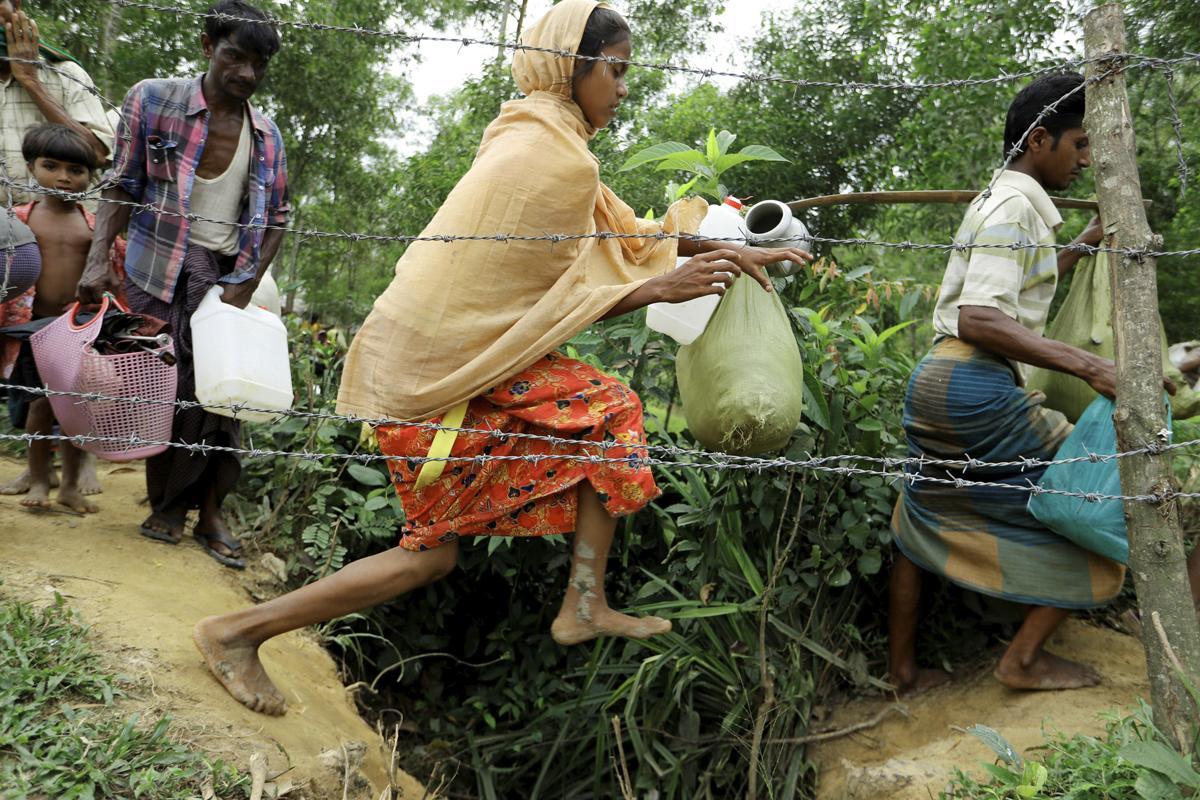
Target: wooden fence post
<point>1156,551</point>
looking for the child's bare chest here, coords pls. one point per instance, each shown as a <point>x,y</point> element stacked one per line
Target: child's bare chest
<point>61,237</point>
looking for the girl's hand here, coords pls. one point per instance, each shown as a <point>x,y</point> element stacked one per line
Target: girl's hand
<point>754,261</point>
<point>708,273</point>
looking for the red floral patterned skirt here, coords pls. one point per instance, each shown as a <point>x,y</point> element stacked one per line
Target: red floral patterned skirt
<point>557,396</point>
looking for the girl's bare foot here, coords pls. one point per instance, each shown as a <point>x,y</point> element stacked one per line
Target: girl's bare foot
<point>21,483</point>
<point>37,495</point>
<point>18,485</point>
<point>72,497</point>
<point>235,663</point>
<point>572,627</point>
<point>1044,671</point>
<point>89,481</point>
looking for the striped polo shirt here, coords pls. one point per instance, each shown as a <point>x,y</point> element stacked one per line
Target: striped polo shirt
<point>1020,282</point>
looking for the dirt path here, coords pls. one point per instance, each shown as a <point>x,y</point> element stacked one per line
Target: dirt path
<point>142,597</point>
<point>911,758</point>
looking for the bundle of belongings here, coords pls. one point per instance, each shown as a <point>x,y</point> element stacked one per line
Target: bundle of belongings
<point>1085,321</point>
<point>110,352</point>
<point>742,381</point>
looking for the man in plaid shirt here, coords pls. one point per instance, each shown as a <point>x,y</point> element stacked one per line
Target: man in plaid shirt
<point>210,177</point>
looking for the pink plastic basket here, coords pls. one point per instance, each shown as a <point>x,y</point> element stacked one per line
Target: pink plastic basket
<point>67,362</point>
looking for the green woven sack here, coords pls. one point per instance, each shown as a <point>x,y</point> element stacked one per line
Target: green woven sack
<point>742,381</point>
<point>1085,321</point>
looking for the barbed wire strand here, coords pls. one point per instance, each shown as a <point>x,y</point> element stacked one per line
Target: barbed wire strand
<point>1019,144</point>
<point>91,194</point>
<point>751,462</point>
<point>910,478</point>
<point>1177,126</point>
<point>468,41</point>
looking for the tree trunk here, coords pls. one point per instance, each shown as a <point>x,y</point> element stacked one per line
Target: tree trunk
<point>1156,551</point>
<point>521,20</point>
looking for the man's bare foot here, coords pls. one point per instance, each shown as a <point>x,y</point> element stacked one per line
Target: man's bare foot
<point>918,681</point>
<point>572,627</point>
<point>21,483</point>
<point>236,665</point>
<point>73,498</point>
<point>1046,671</point>
<point>89,481</point>
<point>37,496</point>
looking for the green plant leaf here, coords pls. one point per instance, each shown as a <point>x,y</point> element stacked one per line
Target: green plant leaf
<point>870,562</point>
<point>725,140</point>
<point>761,152</point>
<point>1156,786</point>
<point>688,161</point>
<point>683,189</point>
<point>860,272</point>
<point>713,149</point>
<point>367,476</point>
<point>999,745</point>
<point>893,330</point>
<point>1160,758</point>
<point>815,407</point>
<point>655,153</point>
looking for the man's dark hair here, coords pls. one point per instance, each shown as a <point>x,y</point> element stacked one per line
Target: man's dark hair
<point>257,36</point>
<point>604,28</point>
<point>51,140</point>
<point>1035,97</point>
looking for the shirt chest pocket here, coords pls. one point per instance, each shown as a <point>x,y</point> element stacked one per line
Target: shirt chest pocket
<point>161,155</point>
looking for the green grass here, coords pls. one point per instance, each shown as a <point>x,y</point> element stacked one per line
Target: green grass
<point>60,735</point>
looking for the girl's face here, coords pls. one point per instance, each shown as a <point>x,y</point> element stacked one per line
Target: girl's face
<point>602,89</point>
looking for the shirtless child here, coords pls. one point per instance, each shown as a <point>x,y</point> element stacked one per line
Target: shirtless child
<point>59,159</point>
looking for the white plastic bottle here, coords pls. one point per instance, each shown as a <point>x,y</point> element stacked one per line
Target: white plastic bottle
<point>684,322</point>
<point>771,224</point>
<point>241,357</point>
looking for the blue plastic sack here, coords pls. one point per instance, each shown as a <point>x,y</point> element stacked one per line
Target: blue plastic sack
<point>1098,526</point>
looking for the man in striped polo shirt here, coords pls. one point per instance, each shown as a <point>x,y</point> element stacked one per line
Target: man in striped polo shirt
<point>966,399</point>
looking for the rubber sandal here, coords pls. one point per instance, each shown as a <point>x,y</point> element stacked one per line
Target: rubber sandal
<point>168,537</point>
<point>233,561</point>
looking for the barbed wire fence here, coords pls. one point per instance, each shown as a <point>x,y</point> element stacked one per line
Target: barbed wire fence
<point>668,456</point>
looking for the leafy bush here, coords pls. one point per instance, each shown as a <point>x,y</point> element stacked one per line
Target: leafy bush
<point>1132,761</point>
<point>763,573</point>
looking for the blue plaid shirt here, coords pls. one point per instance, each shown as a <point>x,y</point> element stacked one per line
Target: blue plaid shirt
<point>164,124</point>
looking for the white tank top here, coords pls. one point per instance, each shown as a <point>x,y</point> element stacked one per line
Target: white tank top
<point>220,198</point>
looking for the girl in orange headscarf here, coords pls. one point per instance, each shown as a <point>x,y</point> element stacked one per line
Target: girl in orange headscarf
<point>465,337</point>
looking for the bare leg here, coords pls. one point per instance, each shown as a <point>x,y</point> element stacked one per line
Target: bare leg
<point>89,481</point>
<point>904,601</point>
<point>1025,665</point>
<point>229,643</point>
<point>214,533</point>
<point>585,613</point>
<point>39,421</point>
<point>69,493</point>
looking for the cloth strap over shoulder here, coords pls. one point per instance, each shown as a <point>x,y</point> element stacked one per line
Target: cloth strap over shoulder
<point>443,443</point>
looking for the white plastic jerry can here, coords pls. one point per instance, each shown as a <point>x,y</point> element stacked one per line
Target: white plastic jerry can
<point>240,358</point>
<point>684,322</point>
